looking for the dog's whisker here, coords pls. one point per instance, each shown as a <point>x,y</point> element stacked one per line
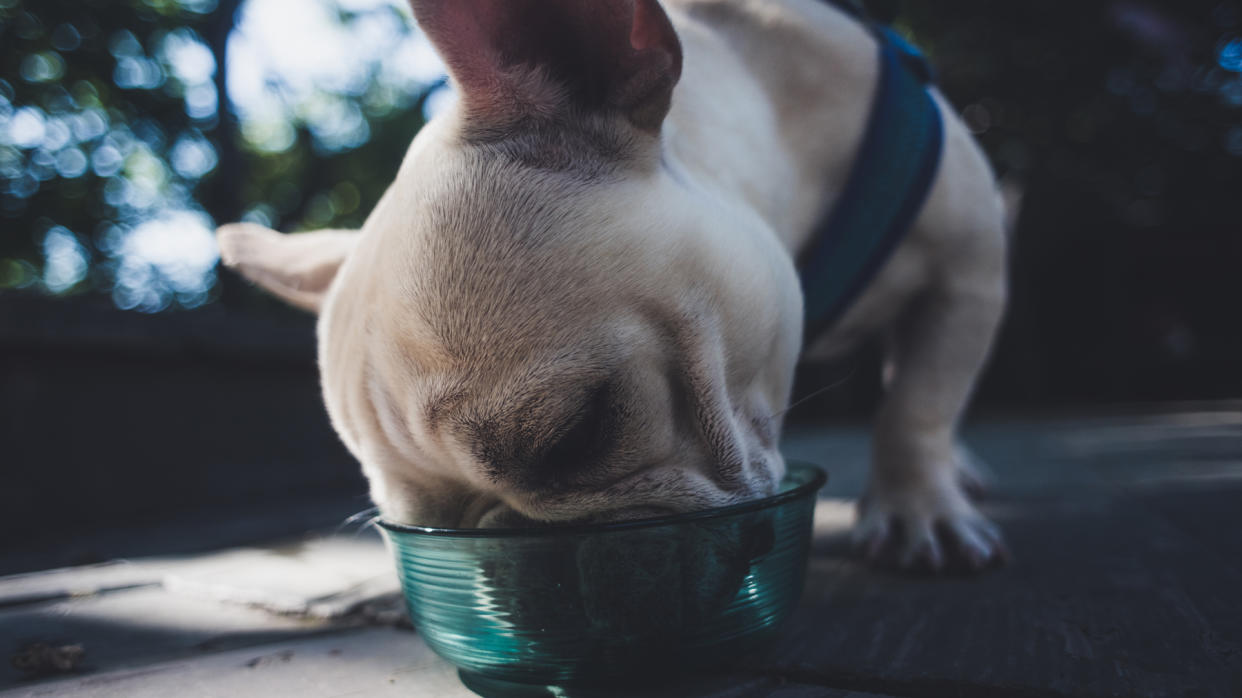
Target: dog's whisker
<point>367,517</point>
<point>364,514</point>
<point>831,386</point>
<point>371,523</point>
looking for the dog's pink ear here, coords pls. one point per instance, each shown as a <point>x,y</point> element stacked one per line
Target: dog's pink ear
<point>513,58</point>
<point>298,268</point>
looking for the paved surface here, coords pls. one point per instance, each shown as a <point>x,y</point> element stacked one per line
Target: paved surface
<point>1127,581</point>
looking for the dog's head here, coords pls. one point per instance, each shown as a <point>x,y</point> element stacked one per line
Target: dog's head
<point>546,317</point>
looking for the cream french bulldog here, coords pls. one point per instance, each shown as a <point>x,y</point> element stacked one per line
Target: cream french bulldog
<point>578,301</point>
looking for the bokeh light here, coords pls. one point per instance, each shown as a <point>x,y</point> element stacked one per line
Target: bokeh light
<point>306,79</point>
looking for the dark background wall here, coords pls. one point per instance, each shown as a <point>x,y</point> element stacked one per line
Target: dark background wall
<point>124,420</point>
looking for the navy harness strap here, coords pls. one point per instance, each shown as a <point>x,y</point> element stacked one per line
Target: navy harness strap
<point>891,178</point>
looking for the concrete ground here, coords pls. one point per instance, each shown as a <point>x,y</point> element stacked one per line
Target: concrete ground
<point>1126,581</point>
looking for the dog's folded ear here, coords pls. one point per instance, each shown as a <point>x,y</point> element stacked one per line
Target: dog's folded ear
<point>298,268</point>
<point>518,58</point>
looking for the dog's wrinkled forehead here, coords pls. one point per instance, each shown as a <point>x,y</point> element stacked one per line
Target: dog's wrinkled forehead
<point>506,249</point>
<point>508,299</point>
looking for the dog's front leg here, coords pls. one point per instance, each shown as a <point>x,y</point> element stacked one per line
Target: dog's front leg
<point>916,511</point>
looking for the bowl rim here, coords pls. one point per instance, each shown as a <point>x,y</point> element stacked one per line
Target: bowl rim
<point>818,477</point>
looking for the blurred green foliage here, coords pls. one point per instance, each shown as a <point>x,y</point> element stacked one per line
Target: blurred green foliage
<point>110,118</point>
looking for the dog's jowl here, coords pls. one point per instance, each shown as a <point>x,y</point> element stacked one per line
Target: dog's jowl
<point>578,300</point>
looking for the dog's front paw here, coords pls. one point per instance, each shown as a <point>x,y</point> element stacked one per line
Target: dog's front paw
<point>929,526</point>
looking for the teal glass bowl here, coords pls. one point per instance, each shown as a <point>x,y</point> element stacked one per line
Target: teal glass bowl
<point>562,605</point>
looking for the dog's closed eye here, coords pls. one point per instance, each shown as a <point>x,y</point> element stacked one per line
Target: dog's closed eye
<point>537,448</point>
<point>584,442</point>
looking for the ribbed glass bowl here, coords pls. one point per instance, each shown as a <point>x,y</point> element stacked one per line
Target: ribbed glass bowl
<point>581,604</point>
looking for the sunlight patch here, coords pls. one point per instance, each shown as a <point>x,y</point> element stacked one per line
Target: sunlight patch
<point>166,260</point>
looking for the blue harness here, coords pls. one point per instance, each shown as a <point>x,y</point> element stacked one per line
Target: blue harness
<point>891,177</point>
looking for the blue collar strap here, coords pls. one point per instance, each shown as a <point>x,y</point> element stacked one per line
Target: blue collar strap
<point>891,177</point>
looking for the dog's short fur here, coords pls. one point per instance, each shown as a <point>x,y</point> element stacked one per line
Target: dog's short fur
<point>577,301</point>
